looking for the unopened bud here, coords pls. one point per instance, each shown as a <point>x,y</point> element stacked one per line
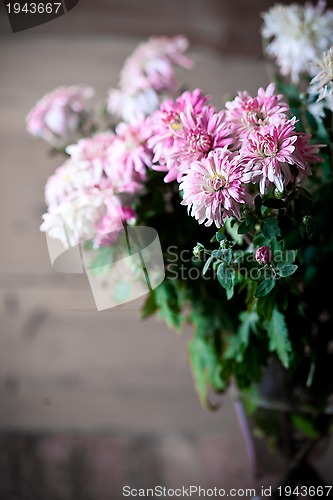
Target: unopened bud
<point>264,255</point>
<point>307,220</point>
<point>197,250</point>
<point>279,194</point>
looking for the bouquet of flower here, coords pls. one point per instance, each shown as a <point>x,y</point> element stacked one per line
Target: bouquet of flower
<point>241,198</point>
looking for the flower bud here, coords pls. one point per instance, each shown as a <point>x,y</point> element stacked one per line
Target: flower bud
<point>264,255</point>
<point>279,194</point>
<point>197,250</point>
<point>307,220</point>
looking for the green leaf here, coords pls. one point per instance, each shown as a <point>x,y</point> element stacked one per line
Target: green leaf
<point>265,306</point>
<point>220,236</point>
<point>240,341</point>
<point>225,275</point>
<point>285,270</point>
<point>290,256</point>
<point>270,228</point>
<point>289,90</point>
<point>278,337</point>
<point>305,425</point>
<point>207,264</point>
<point>227,255</point>
<point>265,287</point>
<point>206,368</point>
<point>168,304</point>
<point>247,225</point>
<point>258,204</point>
<point>249,322</point>
<point>231,227</point>
<point>230,292</point>
<point>304,192</point>
<point>149,307</point>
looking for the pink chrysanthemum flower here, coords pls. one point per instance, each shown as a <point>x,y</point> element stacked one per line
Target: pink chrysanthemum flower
<point>213,188</point>
<point>58,116</point>
<point>305,154</point>
<point>166,121</point>
<point>246,113</point>
<point>199,134</point>
<point>269,153</point>
<point>83,171</point>
<point>152,64</point>
<point>92,154</point>
<point>129,150</point>
<point>147,76</point>
<point>92,168</point>
<point>121,182</point>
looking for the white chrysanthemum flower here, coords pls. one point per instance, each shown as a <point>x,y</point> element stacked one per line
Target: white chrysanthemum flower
<point>75,221</point>
<point>131,106</point>
<point>317,108</point>
<point>323,81</point>
<point>298,35</point>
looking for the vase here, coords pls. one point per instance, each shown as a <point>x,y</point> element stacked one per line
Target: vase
<point>287,435</point>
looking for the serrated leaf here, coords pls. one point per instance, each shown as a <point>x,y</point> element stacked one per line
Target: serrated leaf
<point>239,342</point>
<point>206,368</point>
<point>265,306</point>
<point>265,287</point>
<point>270,228</point>
<point>278,337</point>
<point>167,301</point>
<point>248,323</point>
<point>285,270</point>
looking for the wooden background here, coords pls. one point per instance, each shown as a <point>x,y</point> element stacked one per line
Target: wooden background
<point>90,401</point>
